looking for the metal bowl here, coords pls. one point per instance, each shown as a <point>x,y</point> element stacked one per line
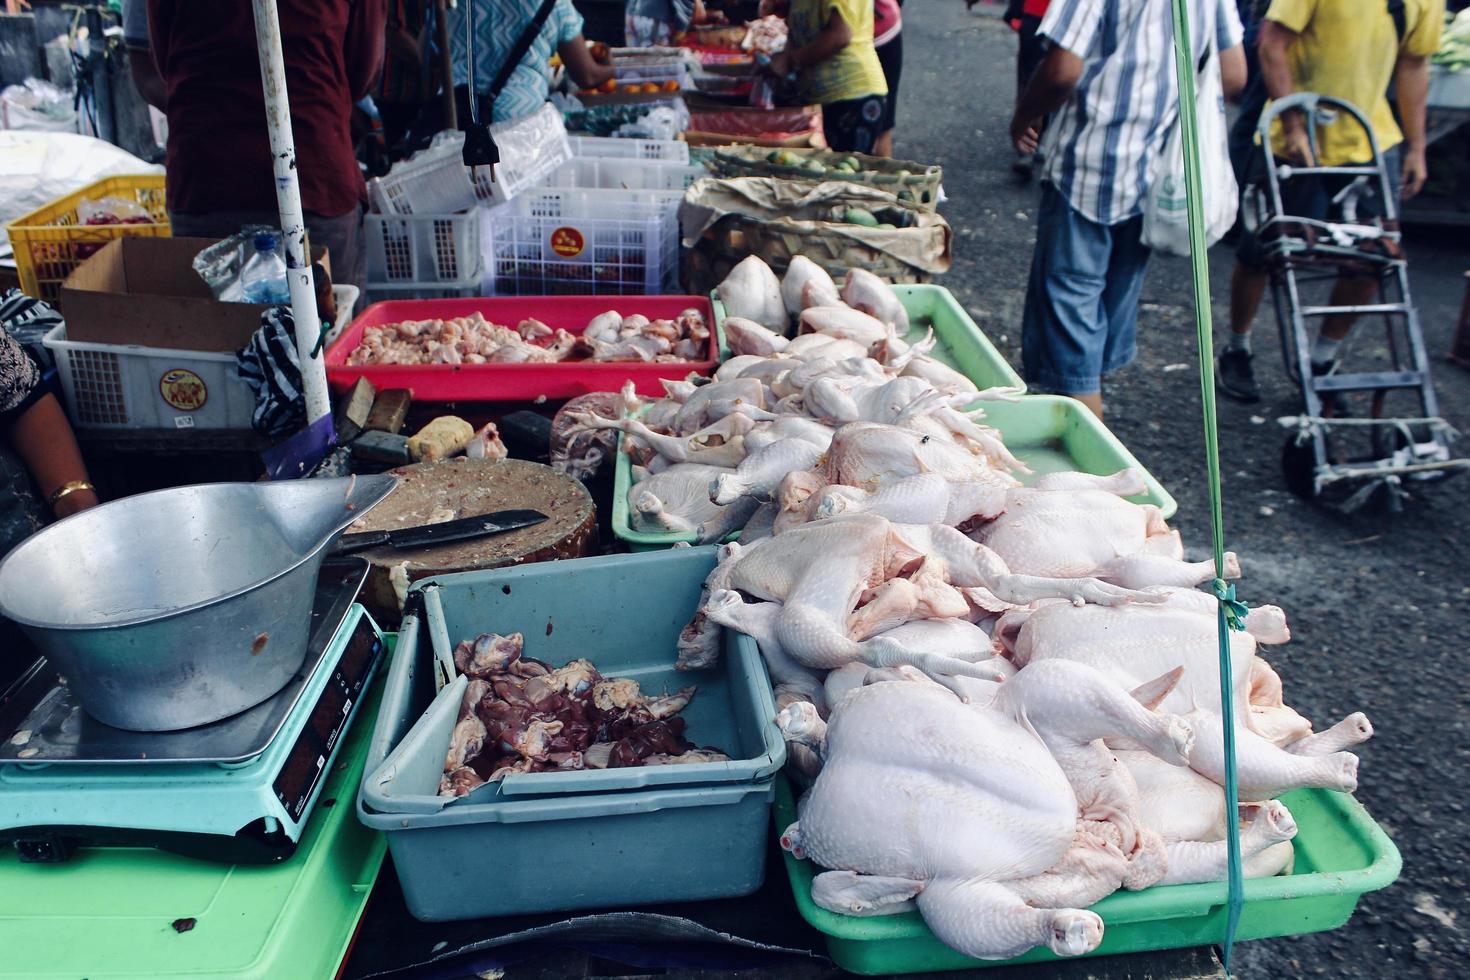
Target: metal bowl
<point>178,608</point>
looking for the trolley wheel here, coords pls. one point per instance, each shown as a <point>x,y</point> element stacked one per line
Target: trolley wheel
<point>1299,466</point>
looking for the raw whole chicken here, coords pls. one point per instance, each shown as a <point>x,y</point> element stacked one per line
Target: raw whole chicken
<point>966,813</point>
<point>804,280</point>
<point>844,323</point>
<point>865,291</point>
<point>678,499</point>
<point>748,337</point>
<point>753,292</point>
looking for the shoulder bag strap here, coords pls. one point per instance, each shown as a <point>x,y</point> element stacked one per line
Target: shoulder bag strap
<point>1396,11</point>
<point>522,47</point>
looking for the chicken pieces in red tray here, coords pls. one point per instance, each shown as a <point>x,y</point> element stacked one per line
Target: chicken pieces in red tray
<point>520,715</point>
<point>472,339</point>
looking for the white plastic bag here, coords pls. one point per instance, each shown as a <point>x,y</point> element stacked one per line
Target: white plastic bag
<point>36,168</point>
<point>1165,213</point>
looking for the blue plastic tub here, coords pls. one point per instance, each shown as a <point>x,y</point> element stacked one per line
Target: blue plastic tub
<point>644,835</point>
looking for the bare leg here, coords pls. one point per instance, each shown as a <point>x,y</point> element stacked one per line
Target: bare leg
<point>988,921</point>
<point>1347,291</point>
<point>1093,402</point>
<point>1247,288</point>
<point>1355,729</point>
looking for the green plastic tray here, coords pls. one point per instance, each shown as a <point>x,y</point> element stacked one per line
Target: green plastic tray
<point>1048,433</point>
<point>1051,433</point>
<point>1340,854</point>
<point>109,912</point>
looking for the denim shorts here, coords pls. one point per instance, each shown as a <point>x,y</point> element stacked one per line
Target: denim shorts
<point>1081,316</point>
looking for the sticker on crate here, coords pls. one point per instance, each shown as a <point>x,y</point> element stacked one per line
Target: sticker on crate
<point>183,389</point>
<point>568,242</point>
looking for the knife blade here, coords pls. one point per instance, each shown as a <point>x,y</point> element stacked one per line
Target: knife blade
<point>431,535</point>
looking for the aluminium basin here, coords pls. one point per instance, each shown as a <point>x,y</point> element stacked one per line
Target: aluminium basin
<point>179,608</point>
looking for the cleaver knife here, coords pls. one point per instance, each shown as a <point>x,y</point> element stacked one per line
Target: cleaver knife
<point>431,535</point>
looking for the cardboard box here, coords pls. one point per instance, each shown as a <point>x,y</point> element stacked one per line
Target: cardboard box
<point>145,291</point>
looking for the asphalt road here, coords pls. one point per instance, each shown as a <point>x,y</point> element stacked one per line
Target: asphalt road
<point>1376,602</point>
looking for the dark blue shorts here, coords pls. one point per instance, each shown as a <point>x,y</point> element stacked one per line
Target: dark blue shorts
<point>1311,197</point>
<point>1081,316</point>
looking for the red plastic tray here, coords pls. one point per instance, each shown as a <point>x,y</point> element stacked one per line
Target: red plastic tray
<point>518,382</point>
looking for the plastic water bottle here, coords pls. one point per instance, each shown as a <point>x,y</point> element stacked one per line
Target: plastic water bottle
<point>263,280</point>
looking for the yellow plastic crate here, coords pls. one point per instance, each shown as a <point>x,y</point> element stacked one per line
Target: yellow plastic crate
<point>51,240</point>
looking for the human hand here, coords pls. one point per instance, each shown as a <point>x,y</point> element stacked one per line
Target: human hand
<point>1298,145</point>
<point>782,65</point>
<point>1415,172</point>
<point>1025,134</point>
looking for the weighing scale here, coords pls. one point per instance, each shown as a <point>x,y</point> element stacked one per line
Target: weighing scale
<point>239,790</point>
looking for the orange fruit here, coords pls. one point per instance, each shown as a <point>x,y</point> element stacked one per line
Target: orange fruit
<point>671,86</point>
<point>649,87</point>
<point>610,86</point>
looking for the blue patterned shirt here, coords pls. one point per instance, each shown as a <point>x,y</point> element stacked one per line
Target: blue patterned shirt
<point>1100,145</point>
<point>498,25</point>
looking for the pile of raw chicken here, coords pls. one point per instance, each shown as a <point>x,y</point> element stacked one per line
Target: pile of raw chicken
<point>521,715</point>
<point>1002,701</point>
<point>472,339</point>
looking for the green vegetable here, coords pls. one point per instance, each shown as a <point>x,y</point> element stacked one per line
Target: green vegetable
<point>1454,44</point>
<point>904,173</point>
<point>860,216</point>
<point>887,227</point>
<point>773,157</point>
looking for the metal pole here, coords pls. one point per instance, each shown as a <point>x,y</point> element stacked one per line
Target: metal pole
<point>446,62</point>
<point>98,67</point>
<point>288,200</point>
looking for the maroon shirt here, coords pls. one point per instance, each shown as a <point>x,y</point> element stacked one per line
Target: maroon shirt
<point>218,149</point>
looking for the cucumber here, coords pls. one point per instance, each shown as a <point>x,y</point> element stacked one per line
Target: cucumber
<point>860,216</point>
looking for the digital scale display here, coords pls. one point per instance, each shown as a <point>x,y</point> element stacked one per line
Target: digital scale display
<point>307,762</point>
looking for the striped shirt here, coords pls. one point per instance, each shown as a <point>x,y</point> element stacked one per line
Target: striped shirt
<point>1102,145</point>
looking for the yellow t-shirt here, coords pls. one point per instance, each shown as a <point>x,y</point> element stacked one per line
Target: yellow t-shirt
<point>854,72</point>
<point>1347,49</point>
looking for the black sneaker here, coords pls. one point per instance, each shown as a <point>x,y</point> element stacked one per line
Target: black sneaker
<point>1235,377</point>
<point>1334,406</point>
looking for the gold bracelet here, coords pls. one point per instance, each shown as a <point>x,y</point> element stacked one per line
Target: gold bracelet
<point>67,489</point>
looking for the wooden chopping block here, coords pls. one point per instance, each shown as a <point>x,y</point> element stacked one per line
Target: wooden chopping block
<point>455,488</point>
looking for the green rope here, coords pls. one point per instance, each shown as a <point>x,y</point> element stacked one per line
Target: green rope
<point>1231,613</point>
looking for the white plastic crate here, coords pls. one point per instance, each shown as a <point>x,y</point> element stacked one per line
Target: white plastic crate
<point>432,181</point>
<point>125,386</point>
<point>617,147</point>
<point>574,241</point>
<point>410,251</point>
<point>117,386</point>
<point>530,148</point>
<point>625,174</point>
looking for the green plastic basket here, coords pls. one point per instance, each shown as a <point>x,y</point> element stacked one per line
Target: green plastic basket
<point>1051,433</point>
<point>1340,854</point>
<point>1047,432</point>
<point>123,912</point>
